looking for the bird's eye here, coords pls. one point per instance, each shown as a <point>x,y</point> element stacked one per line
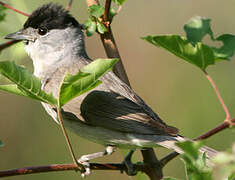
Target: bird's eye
<point>42,31</point>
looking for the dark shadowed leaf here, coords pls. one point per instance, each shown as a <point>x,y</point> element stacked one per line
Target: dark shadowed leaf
<point>197,28</point>
<point>1,143</point>
<point>169,178</point>
<point>2,13</point>
<point>96,10</point>
<point>226,51</point>
<point>84,80</point>
<point>25,81</point>
<point>199,54</point>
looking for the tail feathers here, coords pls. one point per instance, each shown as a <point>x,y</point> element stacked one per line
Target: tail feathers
<point>171,145</point>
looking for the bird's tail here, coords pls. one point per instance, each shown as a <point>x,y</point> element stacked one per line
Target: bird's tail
<point>171,145</point>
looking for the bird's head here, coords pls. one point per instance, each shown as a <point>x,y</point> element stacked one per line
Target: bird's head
<point>51,35</point>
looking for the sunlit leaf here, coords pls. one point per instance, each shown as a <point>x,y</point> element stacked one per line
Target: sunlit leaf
<point>25,81</point>
<point>12,88</point>
<point>197,28</point>
<point>195,161</point>
<point>84,80</point>
<point>119,2</point>
<point>199,54</point>
<point>90,27</point>
<point>101,28</point>
<point>96,10</point>
<point>224,165</point>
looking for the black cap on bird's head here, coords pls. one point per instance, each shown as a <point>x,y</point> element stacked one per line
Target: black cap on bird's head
<point>45,18</point>
<point>50,16</point>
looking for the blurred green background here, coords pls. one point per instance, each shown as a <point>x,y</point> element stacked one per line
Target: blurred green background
<point>176,90</point>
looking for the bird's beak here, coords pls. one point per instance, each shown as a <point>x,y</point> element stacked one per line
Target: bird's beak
<point>22,34</point>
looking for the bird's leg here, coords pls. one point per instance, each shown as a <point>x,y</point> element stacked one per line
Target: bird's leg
<point>84,160</point>
<point>129,165</point>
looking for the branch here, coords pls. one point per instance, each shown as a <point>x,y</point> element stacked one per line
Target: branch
<point>69,167</point>
<point>69,5</point>
<point>228,116</point>
<point>215,130</point>
<point>16,10</point>
<point>106,10</point>
<point>8,44</point>
<point>111,49</point>
<point>206,135</point>
<point>112,52</point>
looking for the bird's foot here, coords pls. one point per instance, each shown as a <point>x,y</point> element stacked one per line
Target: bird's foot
<point>85,162</point>
<point>131,171</point>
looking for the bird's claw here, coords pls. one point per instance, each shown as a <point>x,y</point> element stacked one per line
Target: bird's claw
<point>86,165</point>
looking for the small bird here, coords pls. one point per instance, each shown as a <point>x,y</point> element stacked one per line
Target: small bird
<point>112,114</point>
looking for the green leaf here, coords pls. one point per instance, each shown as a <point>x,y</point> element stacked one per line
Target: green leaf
<point>232,177</point>
<point>25,81</point>
<point>2,13</point>
<point>119,2</point>
<point>101,28</point>
<point>200,55</point>
<point>84,80</point>
<point>224,167</point>
<point>197,28</point>
<point>190,148</point>
<point>1,143</point>
<point>96,10</point>
<point>112,13</point>
<point>12,88</point>
<point>195,161</point>
<point>90,26</point>
<point>226,51</point>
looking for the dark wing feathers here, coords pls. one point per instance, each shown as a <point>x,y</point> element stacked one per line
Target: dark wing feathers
<point>112,111</point>
<point>112,105</point>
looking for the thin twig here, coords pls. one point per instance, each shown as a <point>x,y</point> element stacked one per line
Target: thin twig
<point>79,166</point>
<point>206,135</point>
<point>16,10</point>
<point>228,116</point>
<point>69,167</point>
<point>111,50</point>
<point>69,5</point>
<point>118,10</point>
<point>215,130</point>
<point>8,44</point>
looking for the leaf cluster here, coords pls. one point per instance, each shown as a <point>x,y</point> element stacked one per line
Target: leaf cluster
<point>192,49</point>
<point>196,167</point>
<point>26,84</point>
<point>95,21</point>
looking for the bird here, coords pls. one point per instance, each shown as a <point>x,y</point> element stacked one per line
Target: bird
<point>111,114</point>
